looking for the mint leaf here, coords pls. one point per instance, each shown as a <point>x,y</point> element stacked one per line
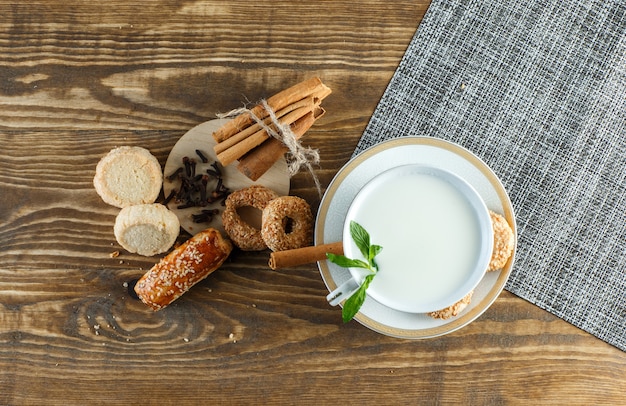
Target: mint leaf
<point>346,262</point>
<point>361,238</point>
<point>373,251</point>
<point>353,304</point>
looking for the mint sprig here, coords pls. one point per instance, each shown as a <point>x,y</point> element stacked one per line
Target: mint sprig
<point>362,240</point>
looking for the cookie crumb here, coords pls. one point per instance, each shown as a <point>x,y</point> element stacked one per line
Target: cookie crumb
<point>114,254</point>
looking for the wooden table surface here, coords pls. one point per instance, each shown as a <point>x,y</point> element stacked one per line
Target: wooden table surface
<point>77,80</point>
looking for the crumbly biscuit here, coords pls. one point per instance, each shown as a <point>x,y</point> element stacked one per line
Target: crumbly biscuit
<point>127,176</point>
<point>146,229</point>
<point>503,242</point>
<point>274,221</point>
<point>454,310</point>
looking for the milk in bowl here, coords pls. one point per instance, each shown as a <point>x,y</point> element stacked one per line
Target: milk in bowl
<point>436,235</point>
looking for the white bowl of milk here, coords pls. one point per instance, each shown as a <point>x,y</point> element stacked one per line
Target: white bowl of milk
<point>436,235</point>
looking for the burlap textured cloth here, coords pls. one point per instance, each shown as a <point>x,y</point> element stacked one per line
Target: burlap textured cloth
<point>537,89</point>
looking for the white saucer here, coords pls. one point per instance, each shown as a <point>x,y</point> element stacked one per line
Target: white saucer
<point>367,165</point>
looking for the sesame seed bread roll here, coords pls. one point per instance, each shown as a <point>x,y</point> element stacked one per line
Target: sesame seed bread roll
<point>146,229</point>
<point>127,176</point>
<point>182,268</point>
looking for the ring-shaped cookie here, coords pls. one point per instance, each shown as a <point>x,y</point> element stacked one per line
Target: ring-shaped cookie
<point>277,214</point>
<point>242,234</point>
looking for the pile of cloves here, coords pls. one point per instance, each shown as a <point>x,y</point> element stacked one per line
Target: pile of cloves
<point>194,188</point>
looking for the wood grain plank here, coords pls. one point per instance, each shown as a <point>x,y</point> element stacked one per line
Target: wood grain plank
<point>80,78</point>
<point>160,74</point>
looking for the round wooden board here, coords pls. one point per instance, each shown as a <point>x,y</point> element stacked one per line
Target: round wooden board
<point>200,138</point>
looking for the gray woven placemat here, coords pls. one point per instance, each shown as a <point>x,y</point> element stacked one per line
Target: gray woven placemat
<point>537,89</point>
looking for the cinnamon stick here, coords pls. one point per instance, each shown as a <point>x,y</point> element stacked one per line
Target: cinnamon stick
<point>276,102</point>
<point>322,92</point>
<point>258,161</point>
<point>301,256</point>
<point>309,102</point>
<point>238,150</point>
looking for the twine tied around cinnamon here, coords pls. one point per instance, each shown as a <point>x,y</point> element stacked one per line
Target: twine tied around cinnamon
<point>298,155</point>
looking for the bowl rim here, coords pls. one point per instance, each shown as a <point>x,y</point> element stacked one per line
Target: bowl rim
<point>479,211</point>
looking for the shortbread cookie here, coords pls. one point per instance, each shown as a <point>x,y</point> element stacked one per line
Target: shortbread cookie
<point>146,229</point>
<point>127,176</point>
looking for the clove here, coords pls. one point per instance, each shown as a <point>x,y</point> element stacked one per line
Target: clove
<point>202,157</point>
<point>175,174</point>
<point>194,190</point>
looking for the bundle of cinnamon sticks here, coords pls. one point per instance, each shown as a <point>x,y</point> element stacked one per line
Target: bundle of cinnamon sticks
<point>243,139</point>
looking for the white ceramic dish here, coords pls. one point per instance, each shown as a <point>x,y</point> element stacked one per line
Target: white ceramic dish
<point>436,235</point>
<point>366,166</point>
